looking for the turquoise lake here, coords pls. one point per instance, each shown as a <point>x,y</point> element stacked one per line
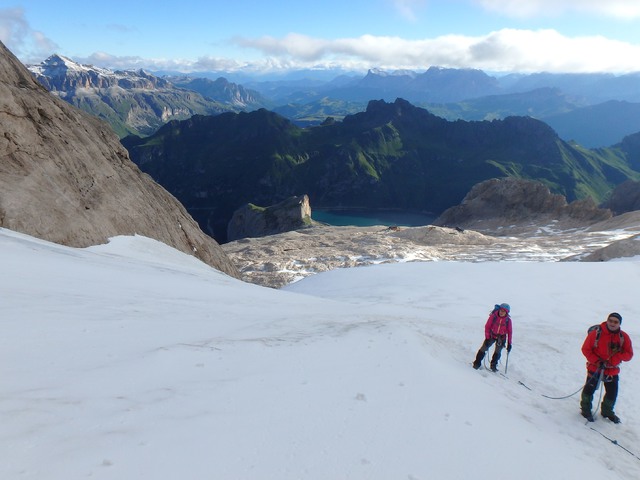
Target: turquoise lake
<point>368,218</point>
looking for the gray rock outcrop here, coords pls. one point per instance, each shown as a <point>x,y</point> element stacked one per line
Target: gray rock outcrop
<point>65,177</point>
<point>516,202</point>
<point>277,260</point>
<point>251,221</point>
<point>625,248</point>
<point>624,198</point>
<point>628,246</point>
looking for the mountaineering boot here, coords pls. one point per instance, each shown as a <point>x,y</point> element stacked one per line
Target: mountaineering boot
<point>494,360</point>
<point>587,414</point>
<point>612,416</point>
<point>606,409</point>
<point>585,406</point>
<point>478,361</point>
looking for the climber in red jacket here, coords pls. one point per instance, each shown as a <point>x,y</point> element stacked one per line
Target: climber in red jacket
<point>605,347</point>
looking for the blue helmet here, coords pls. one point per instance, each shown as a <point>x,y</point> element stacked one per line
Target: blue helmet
<point>505,306</point>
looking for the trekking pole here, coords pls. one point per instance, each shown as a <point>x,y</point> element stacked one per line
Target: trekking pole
<point>506,364</point>
<point>600,375</point>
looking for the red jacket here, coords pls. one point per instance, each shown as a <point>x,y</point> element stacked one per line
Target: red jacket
<point>497,325</point>
<point>608,350</point>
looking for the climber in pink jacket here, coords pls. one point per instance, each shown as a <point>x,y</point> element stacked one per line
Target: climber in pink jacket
<point>498,330</point>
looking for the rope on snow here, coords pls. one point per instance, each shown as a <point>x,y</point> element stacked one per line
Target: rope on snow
<point>615,442</point>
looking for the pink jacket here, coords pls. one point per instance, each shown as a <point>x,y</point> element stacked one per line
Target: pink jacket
<point>497,325</point>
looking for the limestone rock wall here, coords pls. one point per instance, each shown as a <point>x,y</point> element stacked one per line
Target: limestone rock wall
<point>252,221</point>
<point>512,201</point>
<point>624,198</point>
<point>64,177</point>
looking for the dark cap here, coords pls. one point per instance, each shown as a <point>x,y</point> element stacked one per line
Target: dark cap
<point>615,315</point>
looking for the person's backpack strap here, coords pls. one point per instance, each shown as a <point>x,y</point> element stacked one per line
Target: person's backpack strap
<point>598,330</point>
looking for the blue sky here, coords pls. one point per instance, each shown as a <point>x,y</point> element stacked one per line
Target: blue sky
<point>198,35</point>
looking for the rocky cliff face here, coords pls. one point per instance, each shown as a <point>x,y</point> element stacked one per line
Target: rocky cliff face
<point>512,202</point>
<point>65,177</point>
<point>253,221</point>
<point>624,198</point>
<point>63,75</point>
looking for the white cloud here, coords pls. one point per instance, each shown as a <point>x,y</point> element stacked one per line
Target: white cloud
<point>624,9</point>
<point>506,50</point>
<point>26,43</point>
<point>113,62</point>
<point>295,45</point>
<point>523,50</point>
<point>503,50</point>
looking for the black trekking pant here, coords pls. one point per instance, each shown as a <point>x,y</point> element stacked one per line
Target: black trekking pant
<point>610,383</point>
<point>497,353</point>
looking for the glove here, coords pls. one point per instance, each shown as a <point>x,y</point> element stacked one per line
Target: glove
<point>509,348</point>
<point>602,365</point>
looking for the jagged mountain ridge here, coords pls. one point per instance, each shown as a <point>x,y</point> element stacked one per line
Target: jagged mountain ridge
<point>452,84</point>
<point>223,91</point>
<point>449,85</point>
<point>132,102</point>
<point>469,94</point>
<point>65,178</point>
<point>437,84</point>
<point>62,75</point>
<point>392,156</point>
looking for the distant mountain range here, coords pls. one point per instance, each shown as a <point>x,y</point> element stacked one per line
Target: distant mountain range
<point>447,85</point>
<point>223,91</point>
<point>392,156</point>
<point>132,102</point>
<point>597,125</point>
<point>613,101</point>
<point>594,110</point>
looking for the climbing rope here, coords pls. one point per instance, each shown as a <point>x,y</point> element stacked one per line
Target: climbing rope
<point>598,386</point>
<point>615,442</point>
<point>565,396</point>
